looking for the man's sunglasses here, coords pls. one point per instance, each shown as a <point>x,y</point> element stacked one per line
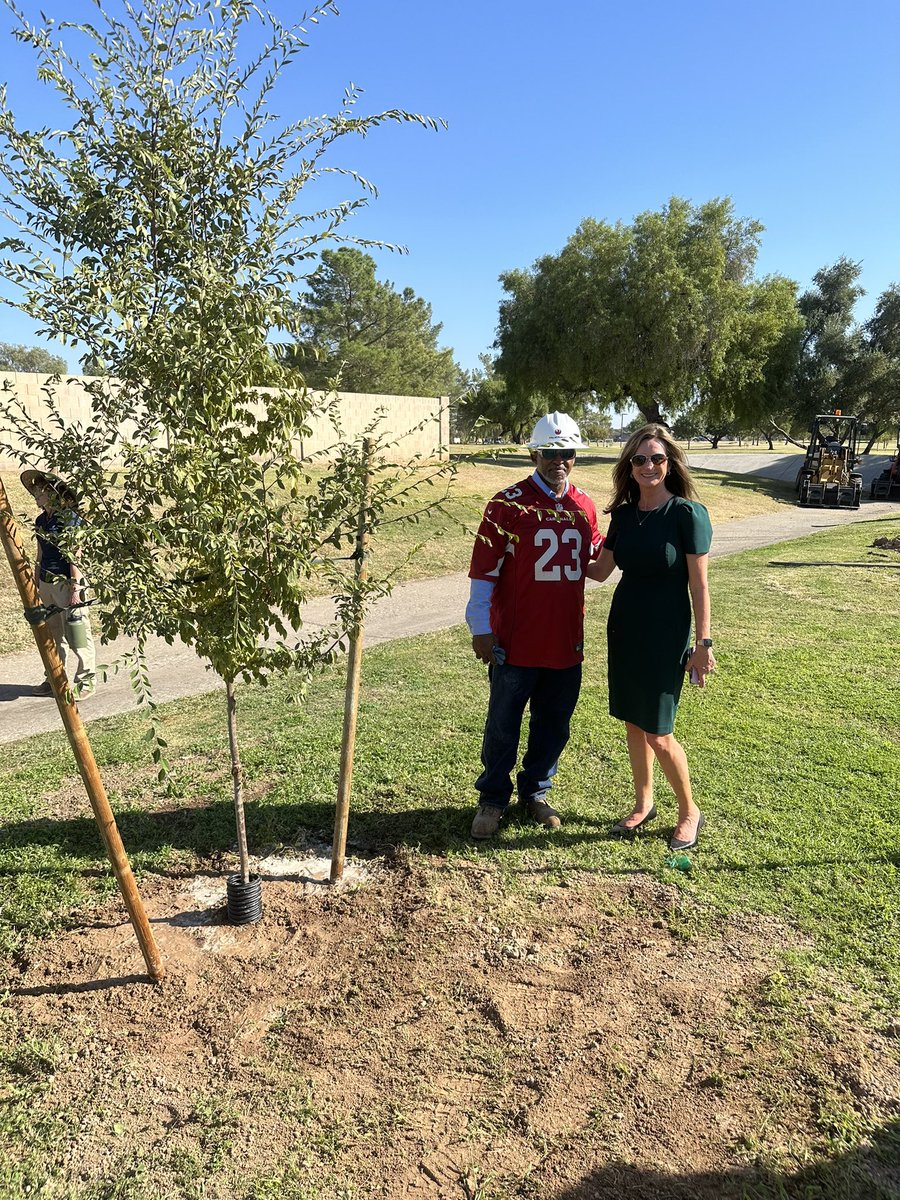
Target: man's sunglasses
<point>553,455</point>
<point>638,460</point>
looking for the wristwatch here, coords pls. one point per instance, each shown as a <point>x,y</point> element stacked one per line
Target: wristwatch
<point>707,642</point>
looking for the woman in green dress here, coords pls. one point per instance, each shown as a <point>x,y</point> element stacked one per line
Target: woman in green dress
<point>659,535</point>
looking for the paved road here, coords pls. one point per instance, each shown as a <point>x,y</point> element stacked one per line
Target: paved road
<point>783,467</point>
<point>419,607</point>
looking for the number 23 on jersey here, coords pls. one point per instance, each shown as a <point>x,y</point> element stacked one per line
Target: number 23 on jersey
<point>565,544</point>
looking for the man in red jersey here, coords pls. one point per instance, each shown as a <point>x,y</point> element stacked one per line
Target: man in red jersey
<point>526,617</point>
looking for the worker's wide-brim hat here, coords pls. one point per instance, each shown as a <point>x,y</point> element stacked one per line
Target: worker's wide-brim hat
<point>31,479</point>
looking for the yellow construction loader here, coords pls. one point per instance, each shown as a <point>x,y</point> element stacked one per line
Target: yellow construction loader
<point>828,477</point>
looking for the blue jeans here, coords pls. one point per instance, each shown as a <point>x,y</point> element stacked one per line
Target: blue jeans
<point>553,694</point>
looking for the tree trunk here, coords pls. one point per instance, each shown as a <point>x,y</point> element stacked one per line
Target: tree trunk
<point>872,440</point>
<point>714,440</point>
<point>787,437</point>
<point>238,782</point>
<point>650,411</point>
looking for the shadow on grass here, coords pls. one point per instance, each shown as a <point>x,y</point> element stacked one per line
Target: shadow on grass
<point>776,489</point>
<point>867,1172</point>
<point>209,830</point>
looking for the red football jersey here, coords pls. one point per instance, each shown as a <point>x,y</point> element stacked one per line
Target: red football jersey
<point>535,548</point>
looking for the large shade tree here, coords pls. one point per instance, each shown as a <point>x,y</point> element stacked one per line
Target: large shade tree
<point>489,403</point>
<point>656,313</point>
<point>361,334</point>
<point>33,359</point>
<point>753,389</point>
<point>882,400</point>
<point>832,369</point>
<point>161,229</point>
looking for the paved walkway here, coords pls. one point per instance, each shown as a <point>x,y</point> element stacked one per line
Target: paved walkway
<point>769,465</point>
<point>419,607</point>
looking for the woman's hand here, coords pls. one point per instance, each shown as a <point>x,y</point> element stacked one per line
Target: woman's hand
<point>701,657</point>
<point>701,660</point>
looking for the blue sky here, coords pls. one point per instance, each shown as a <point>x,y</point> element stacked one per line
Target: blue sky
<point>561,112</point>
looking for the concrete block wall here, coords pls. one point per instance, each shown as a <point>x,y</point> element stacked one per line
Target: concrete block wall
<point>31,392</point>
<point>420,425</point>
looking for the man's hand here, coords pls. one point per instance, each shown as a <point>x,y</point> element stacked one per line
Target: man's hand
<point>483,645</point>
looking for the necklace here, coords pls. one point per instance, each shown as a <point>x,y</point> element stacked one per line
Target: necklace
<point>646,512</point>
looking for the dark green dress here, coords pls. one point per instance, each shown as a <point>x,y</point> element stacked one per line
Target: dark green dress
<point>649,626</point>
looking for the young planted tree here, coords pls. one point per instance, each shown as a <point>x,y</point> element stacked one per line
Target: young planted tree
<point>162,231</point>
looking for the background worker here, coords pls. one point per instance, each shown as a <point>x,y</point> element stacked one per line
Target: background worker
<point>60,581</point>
<point>526,617</point>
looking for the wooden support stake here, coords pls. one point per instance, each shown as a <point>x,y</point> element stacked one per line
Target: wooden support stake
<point>351,690</point>
<point>78,739</point>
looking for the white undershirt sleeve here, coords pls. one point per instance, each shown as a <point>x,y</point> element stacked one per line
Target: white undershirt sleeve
<point>478,610</point>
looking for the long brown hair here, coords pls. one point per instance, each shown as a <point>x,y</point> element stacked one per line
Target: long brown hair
<point>678,477</point>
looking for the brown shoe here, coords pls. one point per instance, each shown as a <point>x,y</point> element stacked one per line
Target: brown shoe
<point>486,821</point>
<point>540,811</point>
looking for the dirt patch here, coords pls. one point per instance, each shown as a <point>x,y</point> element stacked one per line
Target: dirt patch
<point>400,1039</point>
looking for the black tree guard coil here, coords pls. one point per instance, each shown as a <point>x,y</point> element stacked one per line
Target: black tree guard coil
<point>244,900</point>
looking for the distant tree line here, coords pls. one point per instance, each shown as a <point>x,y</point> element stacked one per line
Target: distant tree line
<point>667,315</point>
<point>30,359</point>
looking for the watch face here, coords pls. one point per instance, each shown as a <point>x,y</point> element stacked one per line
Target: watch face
<point>706,642</point>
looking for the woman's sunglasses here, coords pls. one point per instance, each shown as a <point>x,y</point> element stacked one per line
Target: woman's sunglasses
<point>638,460</point>
<point>552,455</point>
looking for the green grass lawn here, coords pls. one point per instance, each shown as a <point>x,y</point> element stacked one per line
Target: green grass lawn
<point>794,752</point>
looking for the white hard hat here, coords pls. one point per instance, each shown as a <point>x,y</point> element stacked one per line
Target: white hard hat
<point>556,430</point>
